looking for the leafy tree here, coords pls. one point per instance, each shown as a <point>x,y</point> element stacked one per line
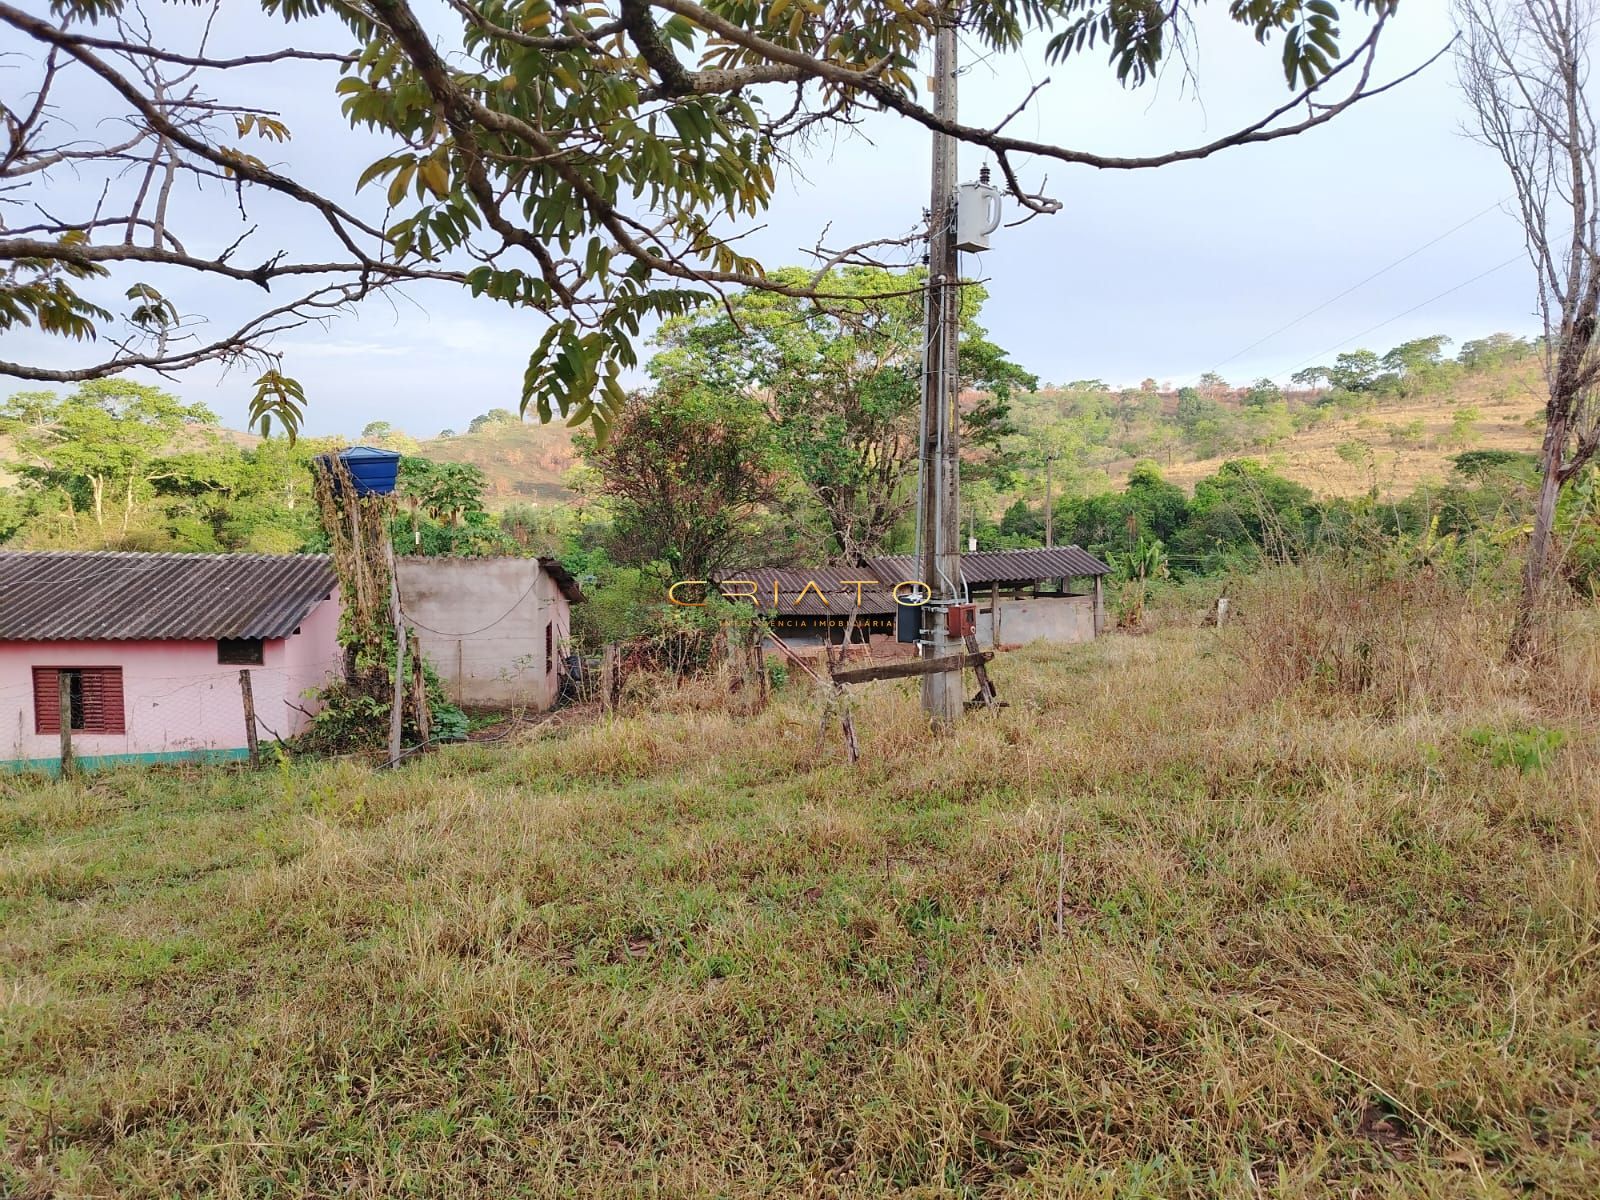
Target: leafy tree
<point>842,386</point>
<point>1262,393</point>
<point>1152,506</point>
<point>1416,355</point>
<point>255,500</point>
<point>1478,464</point>
<point>1495,350</point>
<point>1268,424</point>
<point>1362,456</point>
<point>1126,409</point>
<point>1419,365</point>
<point>447,492</point>
<point>376,431</point>
<point>1355,371</point>
<point>444,513</point>
<point>580,162</point>
<point>1194,409</point>
<point>1240,513</point>
<point>495,416</point>
<point>104,447</point>
<point>1021,521</point>
<point>1111,523</point>
<point>1212,382</point>
<point>688,473</point>
<point>1462,421</point>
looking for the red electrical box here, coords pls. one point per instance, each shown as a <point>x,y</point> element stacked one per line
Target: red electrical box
<point>961,620</point>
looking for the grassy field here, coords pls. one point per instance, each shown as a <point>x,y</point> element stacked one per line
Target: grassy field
<point>1306,906</point>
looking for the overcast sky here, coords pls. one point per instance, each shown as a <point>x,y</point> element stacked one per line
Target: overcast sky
<point>1165,273</point>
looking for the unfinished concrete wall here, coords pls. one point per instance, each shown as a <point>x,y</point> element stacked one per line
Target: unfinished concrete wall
<point>1051,618</point>
<point>496,629</point>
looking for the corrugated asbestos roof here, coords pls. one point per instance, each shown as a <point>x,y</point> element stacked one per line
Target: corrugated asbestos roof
<point>564,578</point>
<point>106,595</point>
<point>1003,566</point>
<point>839,596</point>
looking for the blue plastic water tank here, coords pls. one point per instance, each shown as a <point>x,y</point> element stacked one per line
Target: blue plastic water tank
<point>372,470</point>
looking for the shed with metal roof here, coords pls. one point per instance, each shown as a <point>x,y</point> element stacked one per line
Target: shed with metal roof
<point>810,605</point>
<point>143,653</point>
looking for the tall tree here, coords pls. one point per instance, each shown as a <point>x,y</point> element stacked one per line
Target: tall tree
<point>842,385</point>
<point>105,446</point>
<point>584,164</point>
<point>688,474</point>
<point>1524,65</point>
<point>445,514</point>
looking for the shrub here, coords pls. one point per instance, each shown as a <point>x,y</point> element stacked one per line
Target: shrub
<point>1528,750</point>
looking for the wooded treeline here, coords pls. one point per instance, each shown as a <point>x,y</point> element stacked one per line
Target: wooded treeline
<point>778,431</point>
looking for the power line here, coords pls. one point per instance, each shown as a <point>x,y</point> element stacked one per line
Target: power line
<point>1361,284</point>
<point>1415,307</point>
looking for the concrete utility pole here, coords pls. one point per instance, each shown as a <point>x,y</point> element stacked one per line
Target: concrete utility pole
<point>940,551</point>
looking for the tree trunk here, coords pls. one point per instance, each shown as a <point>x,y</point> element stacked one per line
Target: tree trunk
<point>1526,631</point>
<point>98,486</point>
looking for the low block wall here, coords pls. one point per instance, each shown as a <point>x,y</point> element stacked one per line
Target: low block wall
<point>495,629</point>
<point>1038,618</point>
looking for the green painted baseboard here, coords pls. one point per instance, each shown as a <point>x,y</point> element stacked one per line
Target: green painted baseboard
<point>97,762</point>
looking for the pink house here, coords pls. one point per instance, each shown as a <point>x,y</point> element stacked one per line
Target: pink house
<point>151,646</point>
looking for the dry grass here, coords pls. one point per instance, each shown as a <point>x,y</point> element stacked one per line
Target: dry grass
<point>1511,415</point>
<point>522,461</point>
<point>1195,916</point>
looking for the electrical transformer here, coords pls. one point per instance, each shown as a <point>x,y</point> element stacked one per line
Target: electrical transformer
<point>977,215</point>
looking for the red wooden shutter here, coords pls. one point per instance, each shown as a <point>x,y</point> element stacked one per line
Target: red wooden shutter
<point>46,707</point>
<point>102,700</point>
<point>116,720</point>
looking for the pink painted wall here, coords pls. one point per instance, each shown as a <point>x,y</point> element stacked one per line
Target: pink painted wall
<point>176,696</point>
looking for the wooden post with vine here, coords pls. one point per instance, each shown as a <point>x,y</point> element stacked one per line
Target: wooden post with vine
<point>370,624</point>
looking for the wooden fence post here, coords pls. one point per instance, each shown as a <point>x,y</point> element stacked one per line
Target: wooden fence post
<point>250,720</point>
<point>397,695</point>
<point>986,692</point>
<point>610,677</point>
<point>69,768</point>
<point>419,690</point>
<point>758,667</point>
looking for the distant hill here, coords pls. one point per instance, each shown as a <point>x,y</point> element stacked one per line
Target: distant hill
<point>1395,444</point>
<point>1412,443</point>
<point>524,462</point>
